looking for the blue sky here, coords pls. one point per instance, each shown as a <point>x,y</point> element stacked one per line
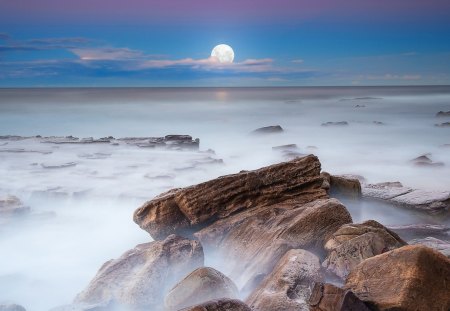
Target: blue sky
<point>277,43</point>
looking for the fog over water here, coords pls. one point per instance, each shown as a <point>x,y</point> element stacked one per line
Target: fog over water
<point>81,215</point>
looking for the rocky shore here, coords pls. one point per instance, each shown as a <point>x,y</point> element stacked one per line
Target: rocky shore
<point>276,238</point>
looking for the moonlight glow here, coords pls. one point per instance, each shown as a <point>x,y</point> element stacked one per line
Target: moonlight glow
<point>223,53</point>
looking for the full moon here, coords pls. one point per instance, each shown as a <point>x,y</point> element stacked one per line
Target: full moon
<point>223,53</point>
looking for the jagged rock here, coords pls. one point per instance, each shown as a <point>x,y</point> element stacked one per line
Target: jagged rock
<point>439,245</point>
<point>182,211</point>
<point>341,185</point>
<point>141,277</point>
<point>201,285</point>
<point>421,231</point>
<point>444,124</point>
<point>220,305</point>
<point>11,307</point>
<point>340,123</point>
<point>425,160</point>
<point>259,237</point>
<point>412,277</point>
<point>443,114</point>
<point>327,297</point>
<point>353,243</point>
<point>11,206</point>
<point>289,285</point>
<point>268,130</point>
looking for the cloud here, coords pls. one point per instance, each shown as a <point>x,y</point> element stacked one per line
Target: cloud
<point>93,54</point>
<point>4,36</point>
<point>389,76</point>
<point>41,44</point>
<point>297,61</point>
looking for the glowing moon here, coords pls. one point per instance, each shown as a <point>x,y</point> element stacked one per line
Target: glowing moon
<point>223,53</point>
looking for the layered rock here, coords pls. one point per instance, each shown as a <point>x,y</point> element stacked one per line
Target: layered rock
<point>141,277</point>
<point>202,285</point>
<point>342,185</point>
<point>220,305</point>
<point>328,297</point>
<point>409,278</point>
<point>353,243</point>
<point>185,210</point>
<point>289,285</point>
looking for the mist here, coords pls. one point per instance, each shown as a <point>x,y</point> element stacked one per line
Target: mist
<point>81,214</point>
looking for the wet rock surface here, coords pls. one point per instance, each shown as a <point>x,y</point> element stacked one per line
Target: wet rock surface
<point>201,285</point>
<point>141,277</point>
<point>342,185</point>
<point>443,114</point>
<point>443,124</point>
<point>436,244</point>
<point>328,297</point>
<point>408,278</point>
<point>289,285</point>
<point>220,305</point>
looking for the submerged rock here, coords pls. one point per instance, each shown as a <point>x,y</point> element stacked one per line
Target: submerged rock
<point>11,206</point>
<point>409,278</point>
<point>425,160</point>
<point>328,297</point>
<point>443,114</point>
<point>220,305</point>
<point>444,124</point>
<point>340,123</point>
<point>58,165</point>
<point>289,285</point>
<point>272,129</point>
<point>201,285</point>
<point>182,211</point>
<point>141,277</point>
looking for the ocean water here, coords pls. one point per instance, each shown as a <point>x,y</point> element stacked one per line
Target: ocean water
<point>82,215</point>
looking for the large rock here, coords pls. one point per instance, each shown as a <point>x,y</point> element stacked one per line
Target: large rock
<point>141,277</point>
<point>409,278</point>
<point>327,297</point>
<point>439,245</point>
<point>250,243</point>
<point>185,210</point>
<point>289,285</point>
<point>220,305</point>
<point>203,284</point>
<point>342,185</point>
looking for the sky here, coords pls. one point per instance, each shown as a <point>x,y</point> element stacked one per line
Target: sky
<point>52,43</point>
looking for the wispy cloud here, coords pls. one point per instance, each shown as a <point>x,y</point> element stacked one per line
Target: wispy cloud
<point>297,61</point>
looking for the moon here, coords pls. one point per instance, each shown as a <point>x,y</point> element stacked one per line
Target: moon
<point>223,53</point>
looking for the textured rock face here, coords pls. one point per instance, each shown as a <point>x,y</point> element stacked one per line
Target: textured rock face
<point>220,305</point>
<point>182,211</point>
<point>289,285</point>
<point>141,277</point>
<point>409,278</point>
<point>202,285</point>
<point>347,186</point>
<point>353,243</point>
<point>250,243</point>
<point>327,297</point>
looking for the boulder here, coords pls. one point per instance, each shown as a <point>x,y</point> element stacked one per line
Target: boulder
<point>353,243</point>
<point>439,245</point>
<point>11,307</point>
<point>346,186</point>
<point>443,114</point>
<point>289,285</point>
<point>272,129</point>
<point>141,277</point>
<point>201,285</point>
<point>220,305</point>
<point>327,297</point>
<point>412,277</point>
<point>259,237</point>
<point>11,206</point>
<point>425,161</point>
<point>189,209</point>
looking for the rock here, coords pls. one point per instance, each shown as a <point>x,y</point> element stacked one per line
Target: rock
<point>360,106</point>
<point>443,114</point>
<point>141,277</point>
<point>444,124</point>
<point>340,123</point>
<point>327,297</point>
<point>220,305</point>
<point>353,243</point>
<point>11,206</point>
<point>412,277</point>
<point>21,150</point>
<point>285,147</point>
<point>424,160</point>
<point>378,123</point>
<point>384,191</point>
<point>343,186</point>
<point>289,285</point>
<point>268,130</point>
<point>58,165</point>
<point>259,237</point>
<point>182,211</point>
<point>439,245</point>
<point>11,307</point>
<point>421,231</point>
<point>94,156</point>
<point>201,285</point>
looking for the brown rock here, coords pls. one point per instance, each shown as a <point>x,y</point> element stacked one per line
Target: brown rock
<point>409,278</point>
<point>343,185</point>
<point>201,285</point>
<point>289,285</point>
<point>327,297</point>
<point>141,277</point>
<point>11,206</point>
<point>185,210</point>
<point>220,305</point>
<point>261,236</point>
